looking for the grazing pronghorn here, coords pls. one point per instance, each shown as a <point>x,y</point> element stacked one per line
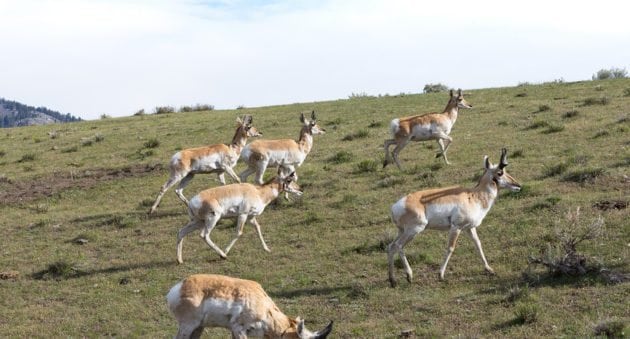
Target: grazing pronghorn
<point>241,201</point>
<point>218,159</point>
<point>289,153</point>
<point>450,209</point>
<point>242,306</point>
<point>431,126</point>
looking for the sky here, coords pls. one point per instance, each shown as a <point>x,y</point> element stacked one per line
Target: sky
<point>115,57</point>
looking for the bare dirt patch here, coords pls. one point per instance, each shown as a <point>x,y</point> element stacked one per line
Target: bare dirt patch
<point>24,191</point>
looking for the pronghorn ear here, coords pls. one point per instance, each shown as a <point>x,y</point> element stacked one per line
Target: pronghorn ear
<point>486,162</point>
<point>239,120</point>
<point>248,119</point>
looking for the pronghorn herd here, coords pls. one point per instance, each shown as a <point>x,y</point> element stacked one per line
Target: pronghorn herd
<point>242,306</point>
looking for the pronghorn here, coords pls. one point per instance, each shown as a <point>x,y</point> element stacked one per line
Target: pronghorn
<point>241,201</point>
<point>283,152</point>
<point>450,209</point>
<point>431,126</point>
<point>242,306</point>
<point>218,159</point>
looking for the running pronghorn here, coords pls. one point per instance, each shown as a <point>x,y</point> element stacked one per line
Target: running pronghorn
<point>431,126</point>
<point>242,306</point>
<point>450,209</point>
<point>289,153</point>
<point>241,201</point>
<point>218,159</point>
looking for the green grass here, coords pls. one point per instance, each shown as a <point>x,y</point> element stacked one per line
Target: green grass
<point>328,259</point>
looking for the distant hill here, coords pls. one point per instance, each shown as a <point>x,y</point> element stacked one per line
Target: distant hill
<point>15,114</point>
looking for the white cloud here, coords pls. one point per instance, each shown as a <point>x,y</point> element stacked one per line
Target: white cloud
<point>115,57</point>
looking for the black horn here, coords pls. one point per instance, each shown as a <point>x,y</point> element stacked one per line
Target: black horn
<point>325,332</point>
<point>313,115</point>
<point>503,163</point>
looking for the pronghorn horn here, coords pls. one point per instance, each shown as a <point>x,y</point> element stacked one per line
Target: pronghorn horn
<point>451,93</point>
<point>459,92</point>
<point>302,118</point>
<point>503,161</point>
<point>313,115</point>
<point>248,119</point>
<point>323,333</point>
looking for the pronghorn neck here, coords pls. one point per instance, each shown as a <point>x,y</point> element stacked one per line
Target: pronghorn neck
<point>280,324</point>
<point>451,110</point>
<point>306,140</point>
<point>240,137</point>
<point>486,190</point>
<point>270,190</point>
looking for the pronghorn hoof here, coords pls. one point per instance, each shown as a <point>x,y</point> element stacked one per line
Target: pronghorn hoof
<point>490,271</point>
<point>392,282</point>
<point>409,279</point>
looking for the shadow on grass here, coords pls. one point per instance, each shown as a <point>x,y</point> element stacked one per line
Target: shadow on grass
<point>312,291</point>
<point>63,270</point>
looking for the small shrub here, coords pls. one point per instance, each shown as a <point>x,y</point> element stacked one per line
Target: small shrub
<point>186,109</point>
<point>584,175</point>
<point>570,114</point>
<point>240,107</point>
<point>391,181</point>
<point>544,108</point>
<point>359,95</point>
<point>2,153</point>
<point>105,116</point>
<point>358,135</point>
<point>341,157</point>
<point>596,101</point>
<point>87,142</point>
<point>626,92</point>
<point>367,166</point>
<point>58,271</point>
<point>521,95</point>
<point>164,110</point>
<point>152,143</point>
<point>601,133</point>
<point>27,157</point>
<point>611,73</point>
<point>375,124</point>
<point>70,149</point>
<point>537,124</point>
<point>98,137</point>
<point>140,112</point>
<point>435,88</point>
<point>526,313</point>
<point>553,128</point>
<point>517,154</point>
<point>517,293</point>
<point>611,329</point>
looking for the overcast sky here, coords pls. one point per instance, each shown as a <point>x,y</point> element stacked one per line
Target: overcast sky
<point>115,57</point>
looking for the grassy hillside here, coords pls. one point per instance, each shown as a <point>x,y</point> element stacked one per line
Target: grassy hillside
<point>80,257</point>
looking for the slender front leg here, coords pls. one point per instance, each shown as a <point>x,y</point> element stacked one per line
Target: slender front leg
<point>472,232</point>
<point>210,223</point>
<point>232,174</point>
<point>453,234</point>
<point>257,225</point>
<point>240,222</point>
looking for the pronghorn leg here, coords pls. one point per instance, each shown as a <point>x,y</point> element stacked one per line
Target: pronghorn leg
<point>246,173</point>
<point>399,147</point>
<point>221,176</point>
<point>240,222</point>
<point>189,331</point>
<point>404,237</point>
<point>191,226</point>
<point>180,188</point>
<point>444,141</point>
<point>254,222</point>
<point>453,234</point>
<point>171,181</point>
<point>210,223</point>
<point>472,232</point>
<point>231,173</point>
<point>260,171</point>
<point>387,145</point>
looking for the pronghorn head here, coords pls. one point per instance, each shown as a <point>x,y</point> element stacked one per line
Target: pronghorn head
<point>500,177</point>
<point>246,125</point>
<point>302,333</point>
<point>288,182</point>
<point>311,126</point>
<point>459,100</point>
